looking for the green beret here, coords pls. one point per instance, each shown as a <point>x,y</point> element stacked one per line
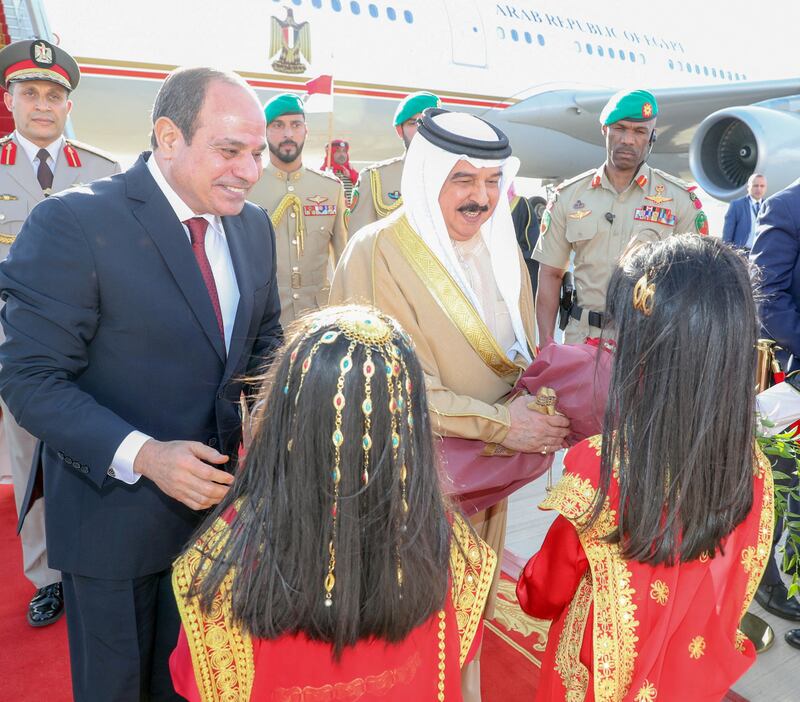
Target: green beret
<point>413,104</point>
<point>37,59</point>
<point>283,104</point>
<point>635,105</point>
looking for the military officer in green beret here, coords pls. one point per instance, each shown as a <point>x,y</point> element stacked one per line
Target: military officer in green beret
<point>307,209</point>
<point>377,193</point>
<point>36,160</point>
<point>599,214</point>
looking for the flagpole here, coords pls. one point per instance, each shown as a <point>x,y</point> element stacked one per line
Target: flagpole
<point>329,150</point>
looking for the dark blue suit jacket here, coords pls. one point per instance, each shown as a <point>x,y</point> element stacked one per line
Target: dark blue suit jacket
<point>109,328</point>
<point>738,220</point>
<point>777,254</point>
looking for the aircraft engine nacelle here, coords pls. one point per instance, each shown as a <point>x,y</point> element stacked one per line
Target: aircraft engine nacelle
<point>732,144</point>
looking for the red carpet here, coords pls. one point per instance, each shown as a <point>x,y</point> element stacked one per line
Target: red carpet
<point>513,646</point>
<point>34,664</point>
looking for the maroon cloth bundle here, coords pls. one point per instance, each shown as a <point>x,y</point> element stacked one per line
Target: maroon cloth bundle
<point>579,374</point>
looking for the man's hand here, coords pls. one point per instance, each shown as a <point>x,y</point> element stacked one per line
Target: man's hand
<point>533,432</point>
<point>181,470</point>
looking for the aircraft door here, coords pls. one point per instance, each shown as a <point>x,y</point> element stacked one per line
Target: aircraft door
<point>467,35</point>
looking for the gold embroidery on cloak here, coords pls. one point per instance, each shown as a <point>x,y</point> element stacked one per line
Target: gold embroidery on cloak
<point>472,565</point>
<point>568,664</point>
<point>615,623</point>
<point>382,208</point>
<point>352,690</point>
<point>451,298</point>
<point>222,654</point>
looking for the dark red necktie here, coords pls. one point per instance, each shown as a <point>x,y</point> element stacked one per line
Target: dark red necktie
<point>197,232</point>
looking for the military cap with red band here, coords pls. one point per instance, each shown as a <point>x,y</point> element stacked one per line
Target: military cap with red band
<point>37,59</point>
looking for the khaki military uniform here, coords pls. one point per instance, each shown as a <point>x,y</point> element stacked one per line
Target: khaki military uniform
<point>307,209</point>
<point>588,217</point>
<point>20,192</point>
<point>377,193</point>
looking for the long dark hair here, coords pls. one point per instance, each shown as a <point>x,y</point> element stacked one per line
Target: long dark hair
<point>282,501</point>
<point>679,423</point>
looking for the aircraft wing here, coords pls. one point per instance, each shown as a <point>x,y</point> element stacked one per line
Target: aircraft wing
<point>575,112</point>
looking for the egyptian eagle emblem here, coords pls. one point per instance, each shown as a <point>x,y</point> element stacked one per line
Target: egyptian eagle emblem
<point>289,41</point>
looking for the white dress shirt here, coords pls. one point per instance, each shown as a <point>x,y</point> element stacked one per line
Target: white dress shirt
<point>751,203</point>
<point>32,151</point>
<point>219,256</point>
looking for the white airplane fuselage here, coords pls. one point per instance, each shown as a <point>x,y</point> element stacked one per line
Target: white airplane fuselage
<point>478,55</point>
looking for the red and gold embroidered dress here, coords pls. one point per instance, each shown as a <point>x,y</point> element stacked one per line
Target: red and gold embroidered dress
<point>215,661</point>
<point>624,630</point>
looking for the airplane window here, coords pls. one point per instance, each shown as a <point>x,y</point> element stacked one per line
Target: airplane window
<point>336,6</point>
<point>297,2</point>
<point>610,52</point>
<point>391,13</point>
<point>355,8</point>
<point>671,65</point>
<point>621,55</point>
<point>730,77</point>
<point>515,35</point>
<point>632,56</point>
<point>317,3</point>
<point>501,33</point>
<point>744,77</point>
<point>697,68</point>
<point>737,77</point>
<point>528,37</point>
<point>643,58</point>
<point>373,10</point>
<point>589,49</point>
<point>714,72</point>
<point>599,50</point>
<point>540,39</point>
<point>409,17</point>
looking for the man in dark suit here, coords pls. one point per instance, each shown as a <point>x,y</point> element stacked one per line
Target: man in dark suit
<point>776,252</point>
<point>739,228</point>
<point>134,307</point>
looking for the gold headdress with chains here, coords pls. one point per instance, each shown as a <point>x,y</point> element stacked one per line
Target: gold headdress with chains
<point>378,335</point>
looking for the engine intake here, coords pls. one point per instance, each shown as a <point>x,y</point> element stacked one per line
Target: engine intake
<point>732,144</point>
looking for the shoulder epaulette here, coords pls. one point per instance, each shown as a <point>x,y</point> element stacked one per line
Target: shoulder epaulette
<point>324,174</point>
<point>383,164</point>
<point>4,139</point>
<point>91,149</point>
<point>575,179</point>
<point>673,179</point>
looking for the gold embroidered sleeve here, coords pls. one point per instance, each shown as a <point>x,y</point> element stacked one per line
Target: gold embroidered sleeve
<point>472,565</point>
<point>222,654</point>
<point>572,496</point>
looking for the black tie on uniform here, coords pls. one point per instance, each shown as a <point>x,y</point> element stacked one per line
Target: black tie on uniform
<point>44,175</point>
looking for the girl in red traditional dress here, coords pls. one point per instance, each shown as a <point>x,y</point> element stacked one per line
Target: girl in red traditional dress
<point>333,569</point>
<point>665,521</point>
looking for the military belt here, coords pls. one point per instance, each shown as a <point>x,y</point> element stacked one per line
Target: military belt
<point>595,319</point>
